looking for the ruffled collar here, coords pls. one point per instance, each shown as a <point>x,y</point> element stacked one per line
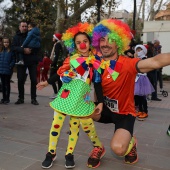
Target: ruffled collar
<point>113,67</point>
<point>81,63</point>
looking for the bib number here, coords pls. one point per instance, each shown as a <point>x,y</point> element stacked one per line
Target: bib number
<point>112,104</point>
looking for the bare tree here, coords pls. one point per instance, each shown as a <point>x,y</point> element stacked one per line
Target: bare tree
<point>140,8</point>
<point>143,11</point>
<point>152,11</point>
<point>63,23</point>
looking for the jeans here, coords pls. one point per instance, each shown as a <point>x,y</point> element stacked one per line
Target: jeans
<point>21,74</point>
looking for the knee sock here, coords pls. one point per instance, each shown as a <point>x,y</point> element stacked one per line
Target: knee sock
<point>89,128</point>
<point>73,134</point>
<point>131,144</point>
<point>55,131</point>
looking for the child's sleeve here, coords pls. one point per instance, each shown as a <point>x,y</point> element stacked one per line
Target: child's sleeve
<point>64,67</point>
<point>67,76</point>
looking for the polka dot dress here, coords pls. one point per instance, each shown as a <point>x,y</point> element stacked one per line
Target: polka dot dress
<point>74,99</point>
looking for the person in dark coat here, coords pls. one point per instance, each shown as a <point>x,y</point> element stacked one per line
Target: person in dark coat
<point>32,40</point>
<point>55,55</point>
<point>152,75</point>
<point>7,62</point>
<point>30,57</point>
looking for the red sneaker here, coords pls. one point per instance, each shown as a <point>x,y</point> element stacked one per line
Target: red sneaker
<point>132,156</point>
<point>142,116</point>
<point>139,113</point>
<point>95,156</point>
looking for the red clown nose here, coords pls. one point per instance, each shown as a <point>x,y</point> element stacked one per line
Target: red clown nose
<point>82,46</point>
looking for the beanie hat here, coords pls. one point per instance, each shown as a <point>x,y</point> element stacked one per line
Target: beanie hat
<point>57,36</point>
<point>68,36</point>
<point>116,30</point>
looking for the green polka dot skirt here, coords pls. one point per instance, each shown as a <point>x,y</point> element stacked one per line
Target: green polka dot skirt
<point>74,99</point>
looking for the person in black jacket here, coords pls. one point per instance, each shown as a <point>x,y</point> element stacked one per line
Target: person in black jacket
<point>152,75</point>
<point>56,54</point>
<point>30,61</point>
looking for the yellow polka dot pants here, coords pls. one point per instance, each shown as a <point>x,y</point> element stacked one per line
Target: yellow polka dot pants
<point>86,124</point>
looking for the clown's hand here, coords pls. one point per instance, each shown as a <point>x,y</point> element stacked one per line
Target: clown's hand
<point>98,109</point>
<point>97,112</point>
<point>41,85</point>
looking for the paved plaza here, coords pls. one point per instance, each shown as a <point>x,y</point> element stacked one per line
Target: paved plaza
<point>24,132</point>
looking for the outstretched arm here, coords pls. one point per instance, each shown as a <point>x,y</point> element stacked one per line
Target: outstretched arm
<point>153,63</point>
<point>51,80</point>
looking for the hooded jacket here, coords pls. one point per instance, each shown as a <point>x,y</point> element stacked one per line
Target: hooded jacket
<point>29,59</point>
<point>33,38</point>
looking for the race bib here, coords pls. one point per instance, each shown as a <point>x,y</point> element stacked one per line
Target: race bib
<point>112,104</point>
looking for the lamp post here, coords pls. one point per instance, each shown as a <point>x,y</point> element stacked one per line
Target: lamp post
<point>134,15</point>
<point>99,3</point>
<point>66,9</point>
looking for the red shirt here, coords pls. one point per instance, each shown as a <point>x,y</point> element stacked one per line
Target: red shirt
<point>122,89</point>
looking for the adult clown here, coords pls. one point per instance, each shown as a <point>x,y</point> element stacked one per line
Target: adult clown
<point>111,37</point>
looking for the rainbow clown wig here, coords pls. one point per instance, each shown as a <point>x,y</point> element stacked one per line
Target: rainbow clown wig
<point>68,36</point>
<point>116,30</point>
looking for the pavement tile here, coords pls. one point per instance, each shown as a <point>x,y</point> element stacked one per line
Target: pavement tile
<point>15,162</point>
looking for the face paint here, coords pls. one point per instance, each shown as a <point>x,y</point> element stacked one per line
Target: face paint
<point>82,46</point>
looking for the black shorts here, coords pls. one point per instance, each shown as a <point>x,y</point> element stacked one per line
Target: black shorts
<point>120,121</point>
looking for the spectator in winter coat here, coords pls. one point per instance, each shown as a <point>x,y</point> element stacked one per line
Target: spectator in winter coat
<point>30,57</point>
<point>32,40</point>
<point>7,62</point>
<point>55,55</point>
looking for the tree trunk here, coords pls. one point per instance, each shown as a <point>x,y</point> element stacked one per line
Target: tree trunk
<point>151,12</point>
<point>160,4</point>
<point>140,8</point>
<point>76,7</point>
<point>143,11</point>
<point>63,23</point>
<point>60,21</point>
